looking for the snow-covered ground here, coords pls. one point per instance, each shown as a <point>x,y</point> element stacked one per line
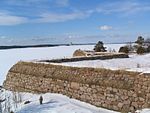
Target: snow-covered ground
<point>52,103</point>
<point>140,63</point>
<point>57,103</point>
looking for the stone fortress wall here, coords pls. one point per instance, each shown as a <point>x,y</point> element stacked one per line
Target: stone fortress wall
<point>117,90</point>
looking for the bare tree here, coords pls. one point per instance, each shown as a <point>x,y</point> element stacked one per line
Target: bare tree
<point>9,101</point>
<point>17,98</point>
<point>1,100</point>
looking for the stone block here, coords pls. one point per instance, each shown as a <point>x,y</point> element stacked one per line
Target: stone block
<point>120,105</point>
<point>75,85</point>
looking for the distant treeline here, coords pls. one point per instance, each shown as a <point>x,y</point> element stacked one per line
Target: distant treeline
<point>49,45</point>
<point>27,46</point>
<point>40,45</point>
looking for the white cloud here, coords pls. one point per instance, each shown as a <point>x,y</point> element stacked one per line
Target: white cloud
<point>2,37</point>
<point>106,27</point>
<point>55,17</point>
<point>124,8</point>
<point>62,2</point>
<point>7,19</point>
<point>121,8</point>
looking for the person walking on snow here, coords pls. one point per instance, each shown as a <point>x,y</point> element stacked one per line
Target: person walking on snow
<point>41,100</point>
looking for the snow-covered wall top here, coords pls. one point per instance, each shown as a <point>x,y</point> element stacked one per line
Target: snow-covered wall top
<point>118,90</point>
<point>103,56</point>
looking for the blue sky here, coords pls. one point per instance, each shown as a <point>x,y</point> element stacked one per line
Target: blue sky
<point>64,21</point>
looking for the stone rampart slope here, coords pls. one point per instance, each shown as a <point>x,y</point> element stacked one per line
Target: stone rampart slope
<point>117,90</point>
